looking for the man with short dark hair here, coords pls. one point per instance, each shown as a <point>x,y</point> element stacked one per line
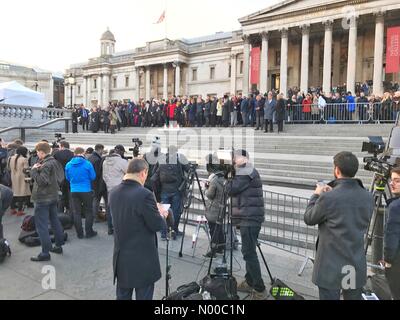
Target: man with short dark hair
<point>80,174</point>
<point>136,218</point>
<point>392,237</point>
<point>342,210</point>
<point>45,196</point>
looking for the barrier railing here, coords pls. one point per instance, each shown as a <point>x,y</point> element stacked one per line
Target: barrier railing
<point>343,113</point>
<point>34,113</point>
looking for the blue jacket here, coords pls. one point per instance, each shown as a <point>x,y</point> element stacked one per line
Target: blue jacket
<point>351,105</point>
<point>80,174</point>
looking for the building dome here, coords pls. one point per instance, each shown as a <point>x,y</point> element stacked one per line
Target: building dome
<point>107,36</point>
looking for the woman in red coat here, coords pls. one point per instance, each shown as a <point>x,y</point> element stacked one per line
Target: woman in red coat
<point>307,102</point>
<point>171,113</point>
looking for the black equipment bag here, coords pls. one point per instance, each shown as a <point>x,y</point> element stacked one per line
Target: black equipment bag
<point>5,250</point>
<point>66,221</point>
<point>220,287</point>
<point>184,291</point>
<point>379,285</point>
<point>28,224</point>
<point>194,297</point>
<point>280,291</point>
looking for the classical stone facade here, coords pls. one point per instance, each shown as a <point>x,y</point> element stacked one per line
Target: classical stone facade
<point>39,80</point>
<point>304,43</point>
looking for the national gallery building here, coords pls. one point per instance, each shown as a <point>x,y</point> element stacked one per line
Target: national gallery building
<point>293,44</point>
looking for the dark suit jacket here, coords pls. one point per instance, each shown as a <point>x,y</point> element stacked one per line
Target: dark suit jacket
<point>136,220</point>
<point>342,216</point>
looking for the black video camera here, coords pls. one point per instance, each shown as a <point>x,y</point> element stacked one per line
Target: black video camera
<point>27,173</point>
<point>136,150</point>
<point>376,146</point>
<point>59,138</point>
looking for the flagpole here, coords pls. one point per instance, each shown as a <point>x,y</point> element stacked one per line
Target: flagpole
<point>165,19</point>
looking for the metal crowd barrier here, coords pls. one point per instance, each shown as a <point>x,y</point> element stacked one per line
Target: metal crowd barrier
<point>343,113</point>
<point>284,226</point>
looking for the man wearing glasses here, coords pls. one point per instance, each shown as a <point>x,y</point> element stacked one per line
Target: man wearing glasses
<point>392,237</point>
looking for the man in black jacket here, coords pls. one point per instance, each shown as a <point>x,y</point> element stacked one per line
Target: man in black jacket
<point>342,212</point>
<point>136,218</point>
<point>392,237</point>
<point>248,213</point>
<point>6,196</point>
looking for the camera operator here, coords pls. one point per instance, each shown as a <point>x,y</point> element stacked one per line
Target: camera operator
<point>215,195</point>
<point>170,176</point>
<point>6,196</point>
<point>45,196</point>
<point>152,157</point>
<point>114,169</point>
<point>80,174</point>
<point>136,218</point>
<point>342,212</point>
<point>392,237</point>
<point>63,156</point>
<point>248,213</point>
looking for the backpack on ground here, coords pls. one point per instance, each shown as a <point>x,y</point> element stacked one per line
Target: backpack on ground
<point>66,221</point>
<point>220,287</point>
<point>280,291</point>
<point>5,250</point>
<point>183,292</point>
<point>28,224</point>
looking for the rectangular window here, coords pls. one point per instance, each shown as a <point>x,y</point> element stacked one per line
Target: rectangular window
<point>79,90</point>
<point>95,83</point>
<point>194,74</point>
<point>241,67</point>
<point>114,82</point>
<point>230,71</point>
<point>126,81</point>
<point>212,73</point>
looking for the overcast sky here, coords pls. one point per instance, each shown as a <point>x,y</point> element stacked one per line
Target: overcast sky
<point>52,34</point>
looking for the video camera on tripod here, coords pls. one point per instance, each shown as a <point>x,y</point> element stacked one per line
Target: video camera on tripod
<point>136,150</point>
<point>59,138</point>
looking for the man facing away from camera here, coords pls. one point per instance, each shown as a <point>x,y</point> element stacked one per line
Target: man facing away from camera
<point>392,237</point>
<point>342,212</point>
<point>248,214</point>
<point>137,218</point>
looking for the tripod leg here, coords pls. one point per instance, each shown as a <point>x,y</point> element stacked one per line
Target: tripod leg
<point>265,262</point>
<point>195,237</point>
<point>186,219</point>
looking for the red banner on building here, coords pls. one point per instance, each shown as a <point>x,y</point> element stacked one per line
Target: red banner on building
<point>393,50</point>
<point>255,65</point>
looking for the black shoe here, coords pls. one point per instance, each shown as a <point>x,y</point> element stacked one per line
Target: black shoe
<point>110,232</point>
<point>80,236</point>
<point>210,254</point>
<point>91,235</point>
<point>57,250</point>
<point>41,258</point>
<point>257,129</point>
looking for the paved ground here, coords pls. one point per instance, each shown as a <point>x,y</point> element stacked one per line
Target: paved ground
<point>84,272</point>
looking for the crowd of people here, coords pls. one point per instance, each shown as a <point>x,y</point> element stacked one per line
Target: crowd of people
<point>254,110</point>
<point>140,196</point>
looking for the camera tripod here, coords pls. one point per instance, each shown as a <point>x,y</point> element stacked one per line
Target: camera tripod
<point>187,201</point>
<point>378,189</point>
<point>167,265</point>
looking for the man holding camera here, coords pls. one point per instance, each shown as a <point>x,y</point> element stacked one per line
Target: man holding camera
<point>137,218</point>
<point>45,196</point>
<point>248,214</point>
<point>392,237</point>
<point>342,212</point>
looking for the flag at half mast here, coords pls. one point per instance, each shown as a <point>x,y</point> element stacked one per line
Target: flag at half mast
<point>161,19</point>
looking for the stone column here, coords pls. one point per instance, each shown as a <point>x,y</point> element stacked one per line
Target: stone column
<point>246,64</point>
<point>148,85</point>
<point>336,62</point>
<point>136,84</point>
<point>264,63</point>
<point>316,62</point>
<point>327,72</point>
<point>284,61</point>
<point>88,100</point>
<point>352,56</point>
<point>100,91</point>
<point>233,72</point>
<point>165,81</point>
<point>106,89</point>
<point>177,66</point>
<point>305,54</point>
<point>378,53</point>
<point>84,85</point>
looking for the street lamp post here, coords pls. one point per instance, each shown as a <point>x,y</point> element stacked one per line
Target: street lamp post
<point>71,83</point>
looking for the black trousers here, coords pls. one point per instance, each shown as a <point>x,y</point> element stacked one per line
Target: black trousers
<point>393,278</point>
<point>280,126</point>
<point>269,123</point>
<point>217,236</point>
<point>85,124</point>
<point>82,204</point>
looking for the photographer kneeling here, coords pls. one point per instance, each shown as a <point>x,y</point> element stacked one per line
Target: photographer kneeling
<point>248,213</point>
<point>392,237</point>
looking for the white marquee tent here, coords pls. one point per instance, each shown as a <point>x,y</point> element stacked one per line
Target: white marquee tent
<point>16,94</point>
